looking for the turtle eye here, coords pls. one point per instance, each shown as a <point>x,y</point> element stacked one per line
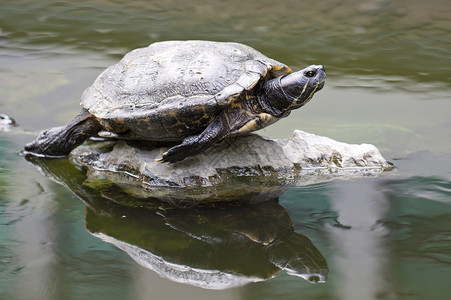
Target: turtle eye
<point>310,73</point>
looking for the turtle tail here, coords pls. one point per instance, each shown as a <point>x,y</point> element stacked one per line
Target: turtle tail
<point>59,141</point>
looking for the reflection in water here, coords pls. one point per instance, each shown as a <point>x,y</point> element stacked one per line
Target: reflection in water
<point>360,240</point>
<point>211,248</point>
<point>214,247</point>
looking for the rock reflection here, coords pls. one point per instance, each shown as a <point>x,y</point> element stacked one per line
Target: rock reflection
<point>214,247</point>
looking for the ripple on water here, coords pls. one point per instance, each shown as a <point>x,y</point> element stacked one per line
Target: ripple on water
<point>420,218</point>
<point>309,206</point>
<point>389,39</point>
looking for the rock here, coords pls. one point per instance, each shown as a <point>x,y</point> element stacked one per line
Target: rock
<point>6,123</point>
<point>247,168</point>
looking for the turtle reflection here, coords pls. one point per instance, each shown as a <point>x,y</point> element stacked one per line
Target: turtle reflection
<point>213,247</point>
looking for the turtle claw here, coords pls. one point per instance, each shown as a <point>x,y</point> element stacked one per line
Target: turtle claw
<point>172,156</point>
<point>178,153</point>
<point>159,160</point>
<point>168,157</point>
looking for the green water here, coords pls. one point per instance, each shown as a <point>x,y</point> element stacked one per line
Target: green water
<point>389,74</point>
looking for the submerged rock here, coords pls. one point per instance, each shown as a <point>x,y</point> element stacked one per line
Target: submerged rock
<point>247,168</point>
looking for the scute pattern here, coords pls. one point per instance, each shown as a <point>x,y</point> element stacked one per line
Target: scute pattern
<point>171,89</point>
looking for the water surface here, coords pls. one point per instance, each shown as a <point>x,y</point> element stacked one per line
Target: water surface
<point>389,74</point>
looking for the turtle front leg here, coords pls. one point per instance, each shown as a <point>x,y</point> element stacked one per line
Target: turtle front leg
<point>195,144</point>
<point>227,123</point>
<point>59,141</point>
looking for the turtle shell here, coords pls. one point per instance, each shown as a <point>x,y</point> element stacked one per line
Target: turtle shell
<point>170,90</point>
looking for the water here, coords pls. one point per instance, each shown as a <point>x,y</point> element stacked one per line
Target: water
<point>389,74</point>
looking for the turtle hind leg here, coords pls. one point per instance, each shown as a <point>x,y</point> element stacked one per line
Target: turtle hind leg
<point>59,141</point>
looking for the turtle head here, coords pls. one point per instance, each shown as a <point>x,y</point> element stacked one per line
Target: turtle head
<point>299,87</point>
<point>293,90</point>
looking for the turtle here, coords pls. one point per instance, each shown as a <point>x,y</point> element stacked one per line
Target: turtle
<point>191,94</point>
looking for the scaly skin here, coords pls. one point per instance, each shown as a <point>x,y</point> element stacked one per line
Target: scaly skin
<point>59,141</point>
<point>243,116</point>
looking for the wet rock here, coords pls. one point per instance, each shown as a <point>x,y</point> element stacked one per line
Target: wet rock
<point>246,168</point>
<point>6,123</point>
